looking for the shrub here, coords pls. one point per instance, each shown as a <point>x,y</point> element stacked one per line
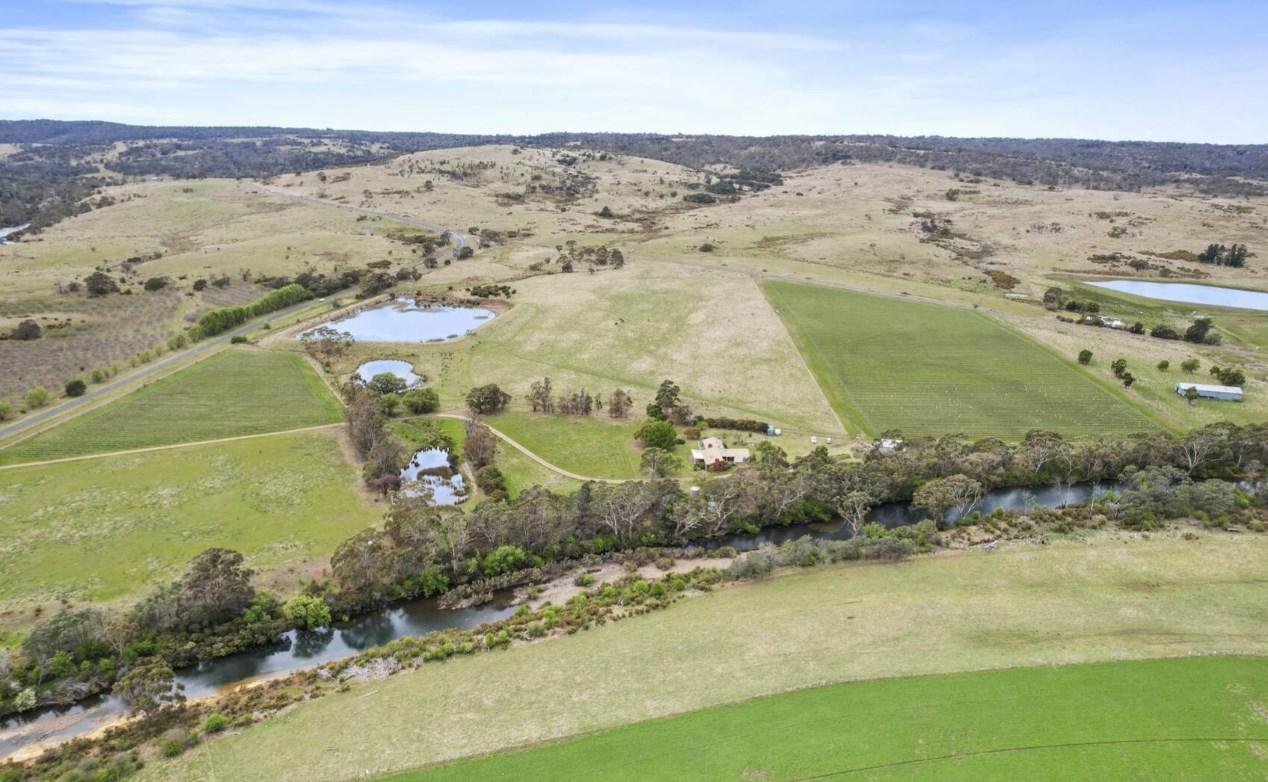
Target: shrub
<point>1163,331</point>
<point>26,330</point>
<point>1085,357</point>
<point>491,481</point>
<point>432,581</point>
<point>1190,365</point>
<point>237,339</point>
<point>215,722</point>
<point>100,283</point>
<point>156,284</point>
<point>76,387</point>
<point>38,397</point>
<point>505,559</point>
<point>99,375</point>
<point>6,410</point>
<point>1164,365</point>
<point>307,612</point>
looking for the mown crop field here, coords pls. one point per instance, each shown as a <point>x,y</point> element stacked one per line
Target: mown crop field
<point>1112,598</point>
<point>113,528</point>
<point>1190,719</point>
<point>930,369</point>
<point>236,392</point>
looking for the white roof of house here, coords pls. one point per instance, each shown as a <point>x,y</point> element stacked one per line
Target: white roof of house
<point>712,449</point>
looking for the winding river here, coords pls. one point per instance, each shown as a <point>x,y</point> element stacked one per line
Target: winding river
<point>299,650</point>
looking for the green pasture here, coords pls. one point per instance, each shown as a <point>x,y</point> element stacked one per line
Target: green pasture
<point>1088,600</point>
<point>235,392</point>
<point>113,528</point>
<point>1192,719</point>
<point>886,363</point>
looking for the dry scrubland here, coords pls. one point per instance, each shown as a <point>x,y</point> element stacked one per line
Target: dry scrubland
<point>856,225</point>
<point>1067,602</point>
<point>202,228</point>
<point>486,187</point>
<point>111,529</point>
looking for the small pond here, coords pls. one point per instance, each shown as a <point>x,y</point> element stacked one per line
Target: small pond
<point>5,232</point>
<point>404,321</point>
<point>430,467</point>
<point>402,369</point>
<point>1189,293</point>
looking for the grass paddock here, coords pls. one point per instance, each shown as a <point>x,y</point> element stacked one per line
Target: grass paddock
<point>235,392</point>
<point>1022,605</point>
<point>930,369</point>
<point>1193,719</point>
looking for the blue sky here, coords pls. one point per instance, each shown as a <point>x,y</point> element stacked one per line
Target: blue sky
<point>1118,70</point>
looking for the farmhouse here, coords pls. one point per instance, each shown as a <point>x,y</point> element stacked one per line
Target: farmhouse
<point>714,455</point>
<point>1227,393</point>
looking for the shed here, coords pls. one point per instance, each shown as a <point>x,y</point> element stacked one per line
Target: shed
<point>1225,393</point>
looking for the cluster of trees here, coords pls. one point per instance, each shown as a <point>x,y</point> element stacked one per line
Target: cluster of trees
<point>738,424</point>
<point>542,398</point>
<point>381,455</point>
<point>1220,255</point>
<point>490,290</point>
<point>212,609</point>
<point>326,343</point>
<point>221,320</point>
<point>1119,367</point>
<point>571,255</point>
<point>395,395</point>
<point>668,405</point>
<point>1228,376</point>
<point>945,476</point>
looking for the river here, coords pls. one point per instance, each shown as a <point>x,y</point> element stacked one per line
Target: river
<point>300,650</point>
<point>6,232</point>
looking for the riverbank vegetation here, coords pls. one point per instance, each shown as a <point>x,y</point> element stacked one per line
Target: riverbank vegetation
<point>1021,605</point>
<point>423,549</point>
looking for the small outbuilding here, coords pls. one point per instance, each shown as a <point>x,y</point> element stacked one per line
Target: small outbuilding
<point>1224,393</point>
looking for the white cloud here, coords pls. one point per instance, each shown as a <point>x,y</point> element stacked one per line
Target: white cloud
<point>308,62</point>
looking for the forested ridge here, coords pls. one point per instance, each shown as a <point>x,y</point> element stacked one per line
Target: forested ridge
<point>60,163</point>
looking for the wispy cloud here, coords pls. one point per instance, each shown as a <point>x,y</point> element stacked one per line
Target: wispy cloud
<point>393,66</point>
